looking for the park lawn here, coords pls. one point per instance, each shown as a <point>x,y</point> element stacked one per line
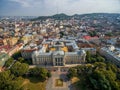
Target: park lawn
<point>78,83</point>
<point>75,79</point>
<point>33,84</point>
<point>75,83</point>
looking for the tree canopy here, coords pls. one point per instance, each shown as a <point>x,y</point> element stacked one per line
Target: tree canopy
<point>98,76</point>
<point>7,81</point>
<point>93,58</point>
<point>8,62</point>
<point>19,69</point>
<point>41,73</point>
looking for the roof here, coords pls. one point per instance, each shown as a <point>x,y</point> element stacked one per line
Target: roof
<point>65,49</point>
<point>52,49</point>
<point>89,37</point>
<point>6,47</point>
<point>58,53</point>
<point>114,53</point>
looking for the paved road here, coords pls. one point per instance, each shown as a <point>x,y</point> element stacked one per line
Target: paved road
<point>66,66</point>
<point>58,75</point>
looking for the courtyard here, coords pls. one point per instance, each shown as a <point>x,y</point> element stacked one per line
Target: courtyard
<point>58,81</point>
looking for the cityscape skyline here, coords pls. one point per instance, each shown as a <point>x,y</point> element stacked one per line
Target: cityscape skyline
<point>59,45</point>
<point>48,7</point>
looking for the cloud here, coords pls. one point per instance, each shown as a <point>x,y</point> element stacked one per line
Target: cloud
<point>82,6</point>
<point>49,7</point>
<point>22,2</point>
<point>28,3</point>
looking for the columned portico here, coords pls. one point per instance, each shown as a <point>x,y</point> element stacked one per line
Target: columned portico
<point>59,62</point>
<point>58,58</point>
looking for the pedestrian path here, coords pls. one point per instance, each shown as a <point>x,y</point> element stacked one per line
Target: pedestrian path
<point>58,75</point>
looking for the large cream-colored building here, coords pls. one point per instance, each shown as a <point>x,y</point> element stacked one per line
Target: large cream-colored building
<point>58,53</point>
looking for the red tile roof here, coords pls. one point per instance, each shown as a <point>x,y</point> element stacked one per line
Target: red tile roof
<point>6,47</point>
<point>89,37</point>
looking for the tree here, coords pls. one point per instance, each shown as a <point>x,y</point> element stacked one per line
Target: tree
<point>109,34</point>
<point>61,34</point>
<point>111,67</point>
<point>34,71</point>
<point>49,74</point>
<point>21,59</point>
<point>104,76</point>
<point>93,33</point>
<point>111,76</point>
<point>19,69</point>
<point>13,85</point>
<point>97,76</point>
<point>92,59</point>
<point>88,56</point>
<point>98,81</point>
<point>7,81</point>
<point>16,55</point>
<point>5,77</point>
<point>100,59</point>
<point>118,74</point>
<point>8,62</point>
<point>99,65</point>
<point>42,73</point>
<point>72,72</point>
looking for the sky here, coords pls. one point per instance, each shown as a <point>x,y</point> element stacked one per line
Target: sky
<point>51,7</point>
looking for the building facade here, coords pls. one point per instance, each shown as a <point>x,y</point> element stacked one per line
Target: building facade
<point>27,51</point>
<point>59,53</point>
<point>112,54</point>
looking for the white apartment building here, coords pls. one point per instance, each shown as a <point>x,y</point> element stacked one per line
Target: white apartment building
<point>112,54</point>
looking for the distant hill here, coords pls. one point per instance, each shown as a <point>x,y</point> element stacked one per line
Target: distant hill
<point>63,16</point>
<point>56,16</point>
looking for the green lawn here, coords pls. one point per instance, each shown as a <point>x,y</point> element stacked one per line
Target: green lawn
<point>58,82</point>
<point>33,84</point>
